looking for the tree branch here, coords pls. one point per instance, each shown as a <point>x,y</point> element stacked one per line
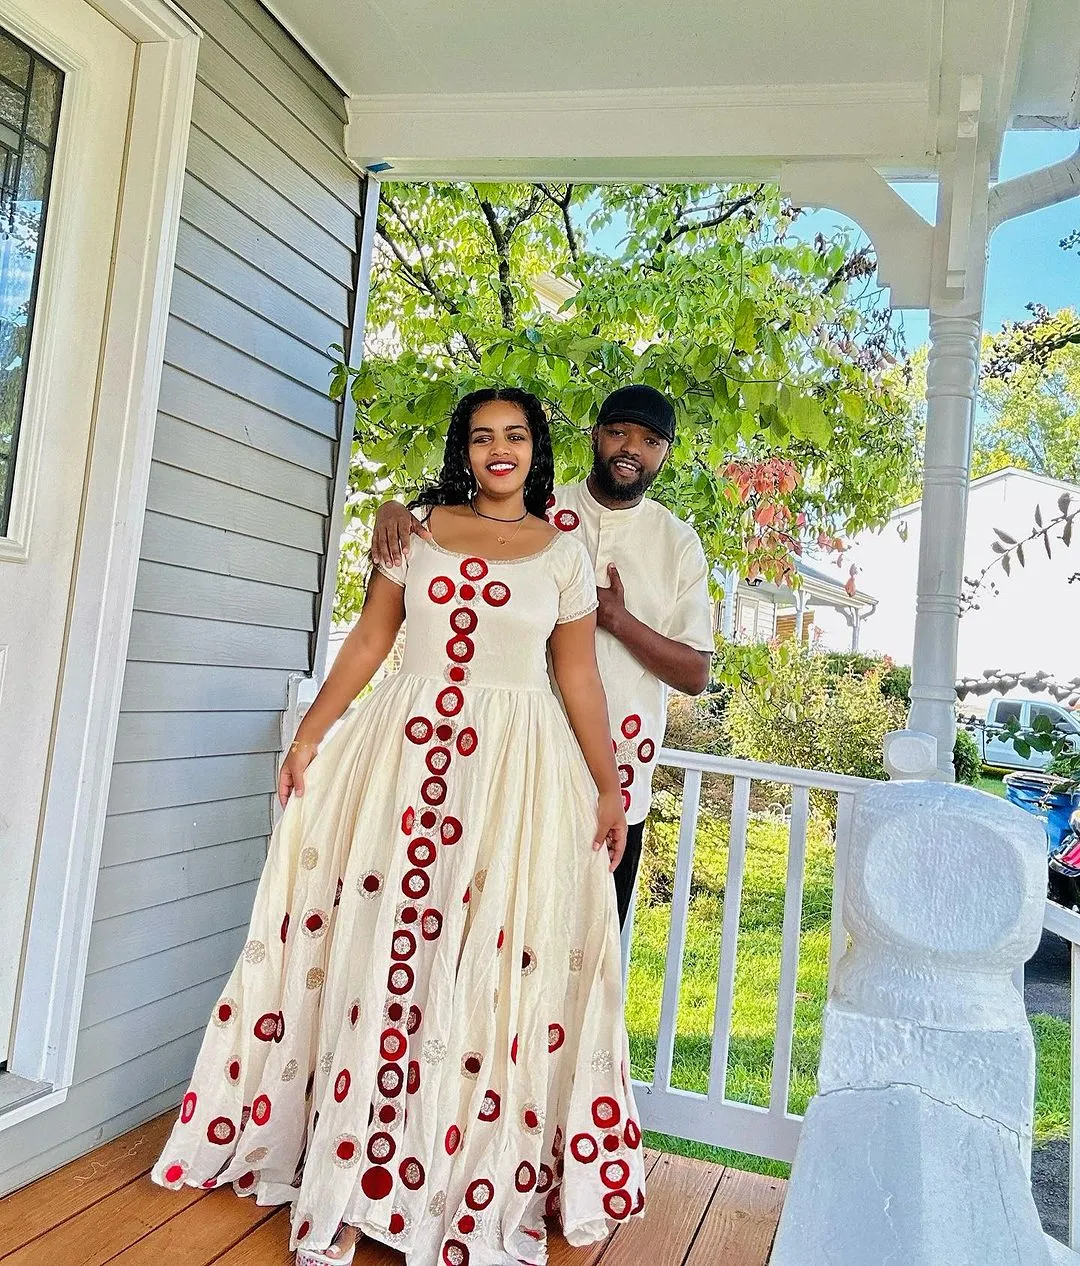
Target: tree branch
<point>563,204</point>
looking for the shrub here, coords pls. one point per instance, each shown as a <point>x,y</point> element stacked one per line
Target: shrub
<point>966,759</point>
<point>811,716</point>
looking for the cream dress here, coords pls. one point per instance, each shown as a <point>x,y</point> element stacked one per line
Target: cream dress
<point>424,1033</point>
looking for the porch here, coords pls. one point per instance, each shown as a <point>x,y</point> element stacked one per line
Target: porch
<point>104,1208</point>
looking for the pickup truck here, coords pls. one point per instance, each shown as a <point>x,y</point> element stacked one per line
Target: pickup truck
<point>997,752</point>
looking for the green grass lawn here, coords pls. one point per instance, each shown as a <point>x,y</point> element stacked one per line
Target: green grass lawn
<point>989,781</point>
<point>757,978</point>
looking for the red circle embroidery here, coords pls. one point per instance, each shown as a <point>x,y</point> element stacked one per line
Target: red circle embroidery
<point>466,1224</point>
<point>187,1108</point>
<point>421,852</point>
<point>626,800</point>
<point>412,1080</point>
<point>371,882</point>
<point>175,1172</point>
<point>444,733</point>
<point>415,883</point>
<point>584,1149</point>
<point>606,1113</point>
<point>431,925</point>
<point>460,649</point>
<point>468,593</point>
<point>354,1014</point>
<point>463,620</point>
<point>416,1018</point>
<point>474,569</point>
<point>266,1027</point>
<point>491,1107</point>
<point>617,1204</point>
<point>315,923</point>
<point>631,726</point>
<point>438,760</point>
<point>639,1203</point>
<point>551,1205</point>
<point>412,1173</point>
<point>614,1174</point>
<point>408,821</point>
<point>646,751</point>
<point>531,1119</point>
<point>556,1037</point>
<point>392,1044</point>
<point>496,593</point>
<point>284,928</point>
<point>418,730</point>
<point>260,1110</point>
<point>544,1179</point>
<point>388,1114</point>
<point>450,701</point>
<point>566,520</point>
<point>471,1064</point>
<point>433,791</point>
<point>303,1230</point>
<point>467,740</point>
<point>400,977</point>
<point>632,1133</point>
<point>453,1140</point>
<point>396,1224</point>
<point>479,1194</point>
<point>221,1130</point>
<point>381,1147</point>
<point>514,1049</point>
<point>345,1149</point>
<point>451,831</point>
<point>377,1182</point>
<point>390,1080</point>
<point>525,1178</point>
<point>232,1072</point>
<point>455,1253</point>
<point>626,775</point>
<point>341,1086</point>
<point>457,674</point>
<point>246,1180</point>
<point>441,590</point>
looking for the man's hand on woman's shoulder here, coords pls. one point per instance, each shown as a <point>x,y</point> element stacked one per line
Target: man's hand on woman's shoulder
<point>394,525</point>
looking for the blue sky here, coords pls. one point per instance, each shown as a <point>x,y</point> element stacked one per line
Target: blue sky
<point>1026,265</point>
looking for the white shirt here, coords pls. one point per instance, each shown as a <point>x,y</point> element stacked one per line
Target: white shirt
<point>665,577</point>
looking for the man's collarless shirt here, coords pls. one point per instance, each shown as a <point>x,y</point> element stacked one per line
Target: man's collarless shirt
<point>665,578</point>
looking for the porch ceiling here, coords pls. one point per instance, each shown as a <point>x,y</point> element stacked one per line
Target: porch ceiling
<point>678,89</point>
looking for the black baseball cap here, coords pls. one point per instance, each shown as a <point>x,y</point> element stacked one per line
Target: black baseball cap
<point>638,403</point>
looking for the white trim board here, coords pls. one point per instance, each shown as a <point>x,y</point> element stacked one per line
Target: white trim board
<point>54,967</point>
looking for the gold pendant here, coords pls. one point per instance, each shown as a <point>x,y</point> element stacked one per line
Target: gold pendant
<point>501,540</point>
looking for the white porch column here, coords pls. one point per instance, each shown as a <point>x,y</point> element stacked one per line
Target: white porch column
<point>958,273</point>
<point>952,373</point>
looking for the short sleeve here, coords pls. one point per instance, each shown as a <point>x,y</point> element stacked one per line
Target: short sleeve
<point>400,573</point>
<point>577,586</point>
<point>691,621</point>
<point>397,574</point>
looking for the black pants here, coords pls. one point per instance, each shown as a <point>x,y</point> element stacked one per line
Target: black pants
<point>627,869</point>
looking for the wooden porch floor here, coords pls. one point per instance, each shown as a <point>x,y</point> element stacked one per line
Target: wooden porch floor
<point>104,1208</point>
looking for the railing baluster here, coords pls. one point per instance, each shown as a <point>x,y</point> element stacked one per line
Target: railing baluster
<point>680,905</point>
<point>789,950</point>
<point>729,938</point>
<point>845,804</point>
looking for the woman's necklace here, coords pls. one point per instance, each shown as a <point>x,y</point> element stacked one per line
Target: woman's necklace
<point>503,540</point>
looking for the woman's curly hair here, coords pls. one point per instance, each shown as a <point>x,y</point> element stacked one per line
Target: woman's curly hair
<point>456,484</point>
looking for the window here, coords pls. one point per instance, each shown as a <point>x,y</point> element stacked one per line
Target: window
<point>30,90</point>
<point>1053,715</point>
<point>1006,711</point>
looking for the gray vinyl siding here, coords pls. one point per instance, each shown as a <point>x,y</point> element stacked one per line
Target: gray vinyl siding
<point>234,543</point>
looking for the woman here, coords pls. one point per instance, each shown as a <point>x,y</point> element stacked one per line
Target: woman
<point>423,1041</point>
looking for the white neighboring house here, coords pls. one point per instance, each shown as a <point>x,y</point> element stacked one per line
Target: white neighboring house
<point>762,611</point>
<point>1028,625</point>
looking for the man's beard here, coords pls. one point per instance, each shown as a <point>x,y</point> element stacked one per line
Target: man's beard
<point>616,489</point>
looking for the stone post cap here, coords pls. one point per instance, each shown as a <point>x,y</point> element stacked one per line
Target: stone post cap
<point>910,754</point>
<point>945,871</point>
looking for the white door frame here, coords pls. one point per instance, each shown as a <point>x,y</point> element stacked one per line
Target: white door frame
<point>62,903</point>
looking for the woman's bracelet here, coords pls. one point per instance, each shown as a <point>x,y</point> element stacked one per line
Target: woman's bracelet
<point>296,744</point>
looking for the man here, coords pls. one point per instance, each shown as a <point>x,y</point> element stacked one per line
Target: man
<point>654,620</point>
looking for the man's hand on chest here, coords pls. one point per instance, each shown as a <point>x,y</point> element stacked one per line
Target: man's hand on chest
<point>611,614</point>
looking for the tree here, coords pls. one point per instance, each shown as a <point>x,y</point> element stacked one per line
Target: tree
<point>1030,415</point>
<point>773,349</point>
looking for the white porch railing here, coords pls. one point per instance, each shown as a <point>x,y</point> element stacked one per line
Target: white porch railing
<point>712,1118</point>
